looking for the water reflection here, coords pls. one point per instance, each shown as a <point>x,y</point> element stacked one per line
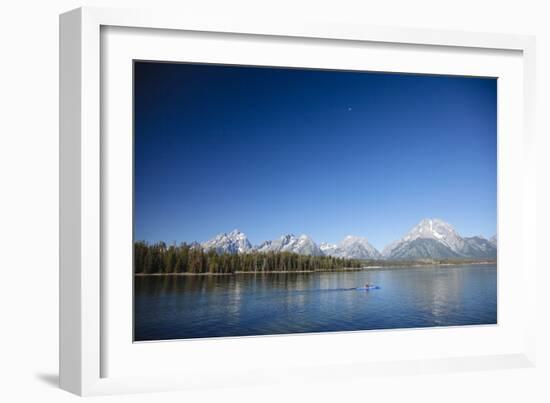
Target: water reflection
<point>170,307</point>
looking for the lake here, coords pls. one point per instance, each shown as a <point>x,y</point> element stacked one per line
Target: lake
<point>180,307</point>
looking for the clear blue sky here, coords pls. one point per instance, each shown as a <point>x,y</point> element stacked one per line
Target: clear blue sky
<point>272,151</point>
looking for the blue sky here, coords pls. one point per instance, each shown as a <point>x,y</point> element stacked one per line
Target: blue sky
<point>272,151</point>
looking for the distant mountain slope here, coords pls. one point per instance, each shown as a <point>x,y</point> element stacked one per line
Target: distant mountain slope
<point>302,245</point>
<point>352,247</point>
<point>422,248</point>
<point>479,247</point>
<point>233,242</point>
<point>328,249</point>
<point>434,238</point>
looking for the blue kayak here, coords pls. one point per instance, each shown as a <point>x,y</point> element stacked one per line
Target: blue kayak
<point>371,287</point>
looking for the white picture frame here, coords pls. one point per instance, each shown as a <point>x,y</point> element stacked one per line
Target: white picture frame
<point>88,335</point>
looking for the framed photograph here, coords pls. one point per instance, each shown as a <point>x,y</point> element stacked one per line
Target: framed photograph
<point>248,201</point>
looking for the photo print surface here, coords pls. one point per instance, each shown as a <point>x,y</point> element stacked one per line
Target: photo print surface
<point>272,200</point>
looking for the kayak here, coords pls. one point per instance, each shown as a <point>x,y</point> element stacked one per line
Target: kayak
<point>370,287</point>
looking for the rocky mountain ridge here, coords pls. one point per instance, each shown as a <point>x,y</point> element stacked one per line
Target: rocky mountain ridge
<point>431,238</point>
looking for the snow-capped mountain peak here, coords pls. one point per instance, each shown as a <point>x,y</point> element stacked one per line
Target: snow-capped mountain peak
<point>352,247</point>
<point>434,238</point>
<point>349,239</point>
<point>439,230</point>
<point>233,242</point>
<point>302,245</point>
<point>327,247</point>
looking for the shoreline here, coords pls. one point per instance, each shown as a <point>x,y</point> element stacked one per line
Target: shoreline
<point>345,270</point>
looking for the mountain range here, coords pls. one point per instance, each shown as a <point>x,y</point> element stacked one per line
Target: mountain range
<point>434,238</point>
<point>431,238</point>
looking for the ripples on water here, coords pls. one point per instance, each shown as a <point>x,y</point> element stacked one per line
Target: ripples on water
<point>178,307</point>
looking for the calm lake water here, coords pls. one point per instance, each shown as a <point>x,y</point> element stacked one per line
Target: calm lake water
<point>179,307</point>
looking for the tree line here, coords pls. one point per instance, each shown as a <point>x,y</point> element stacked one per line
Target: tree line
<point>159,258</point>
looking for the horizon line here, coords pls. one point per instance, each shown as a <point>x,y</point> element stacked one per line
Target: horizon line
<point>255,244</point>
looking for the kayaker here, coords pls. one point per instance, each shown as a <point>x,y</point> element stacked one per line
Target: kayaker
<point>367,285</point>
